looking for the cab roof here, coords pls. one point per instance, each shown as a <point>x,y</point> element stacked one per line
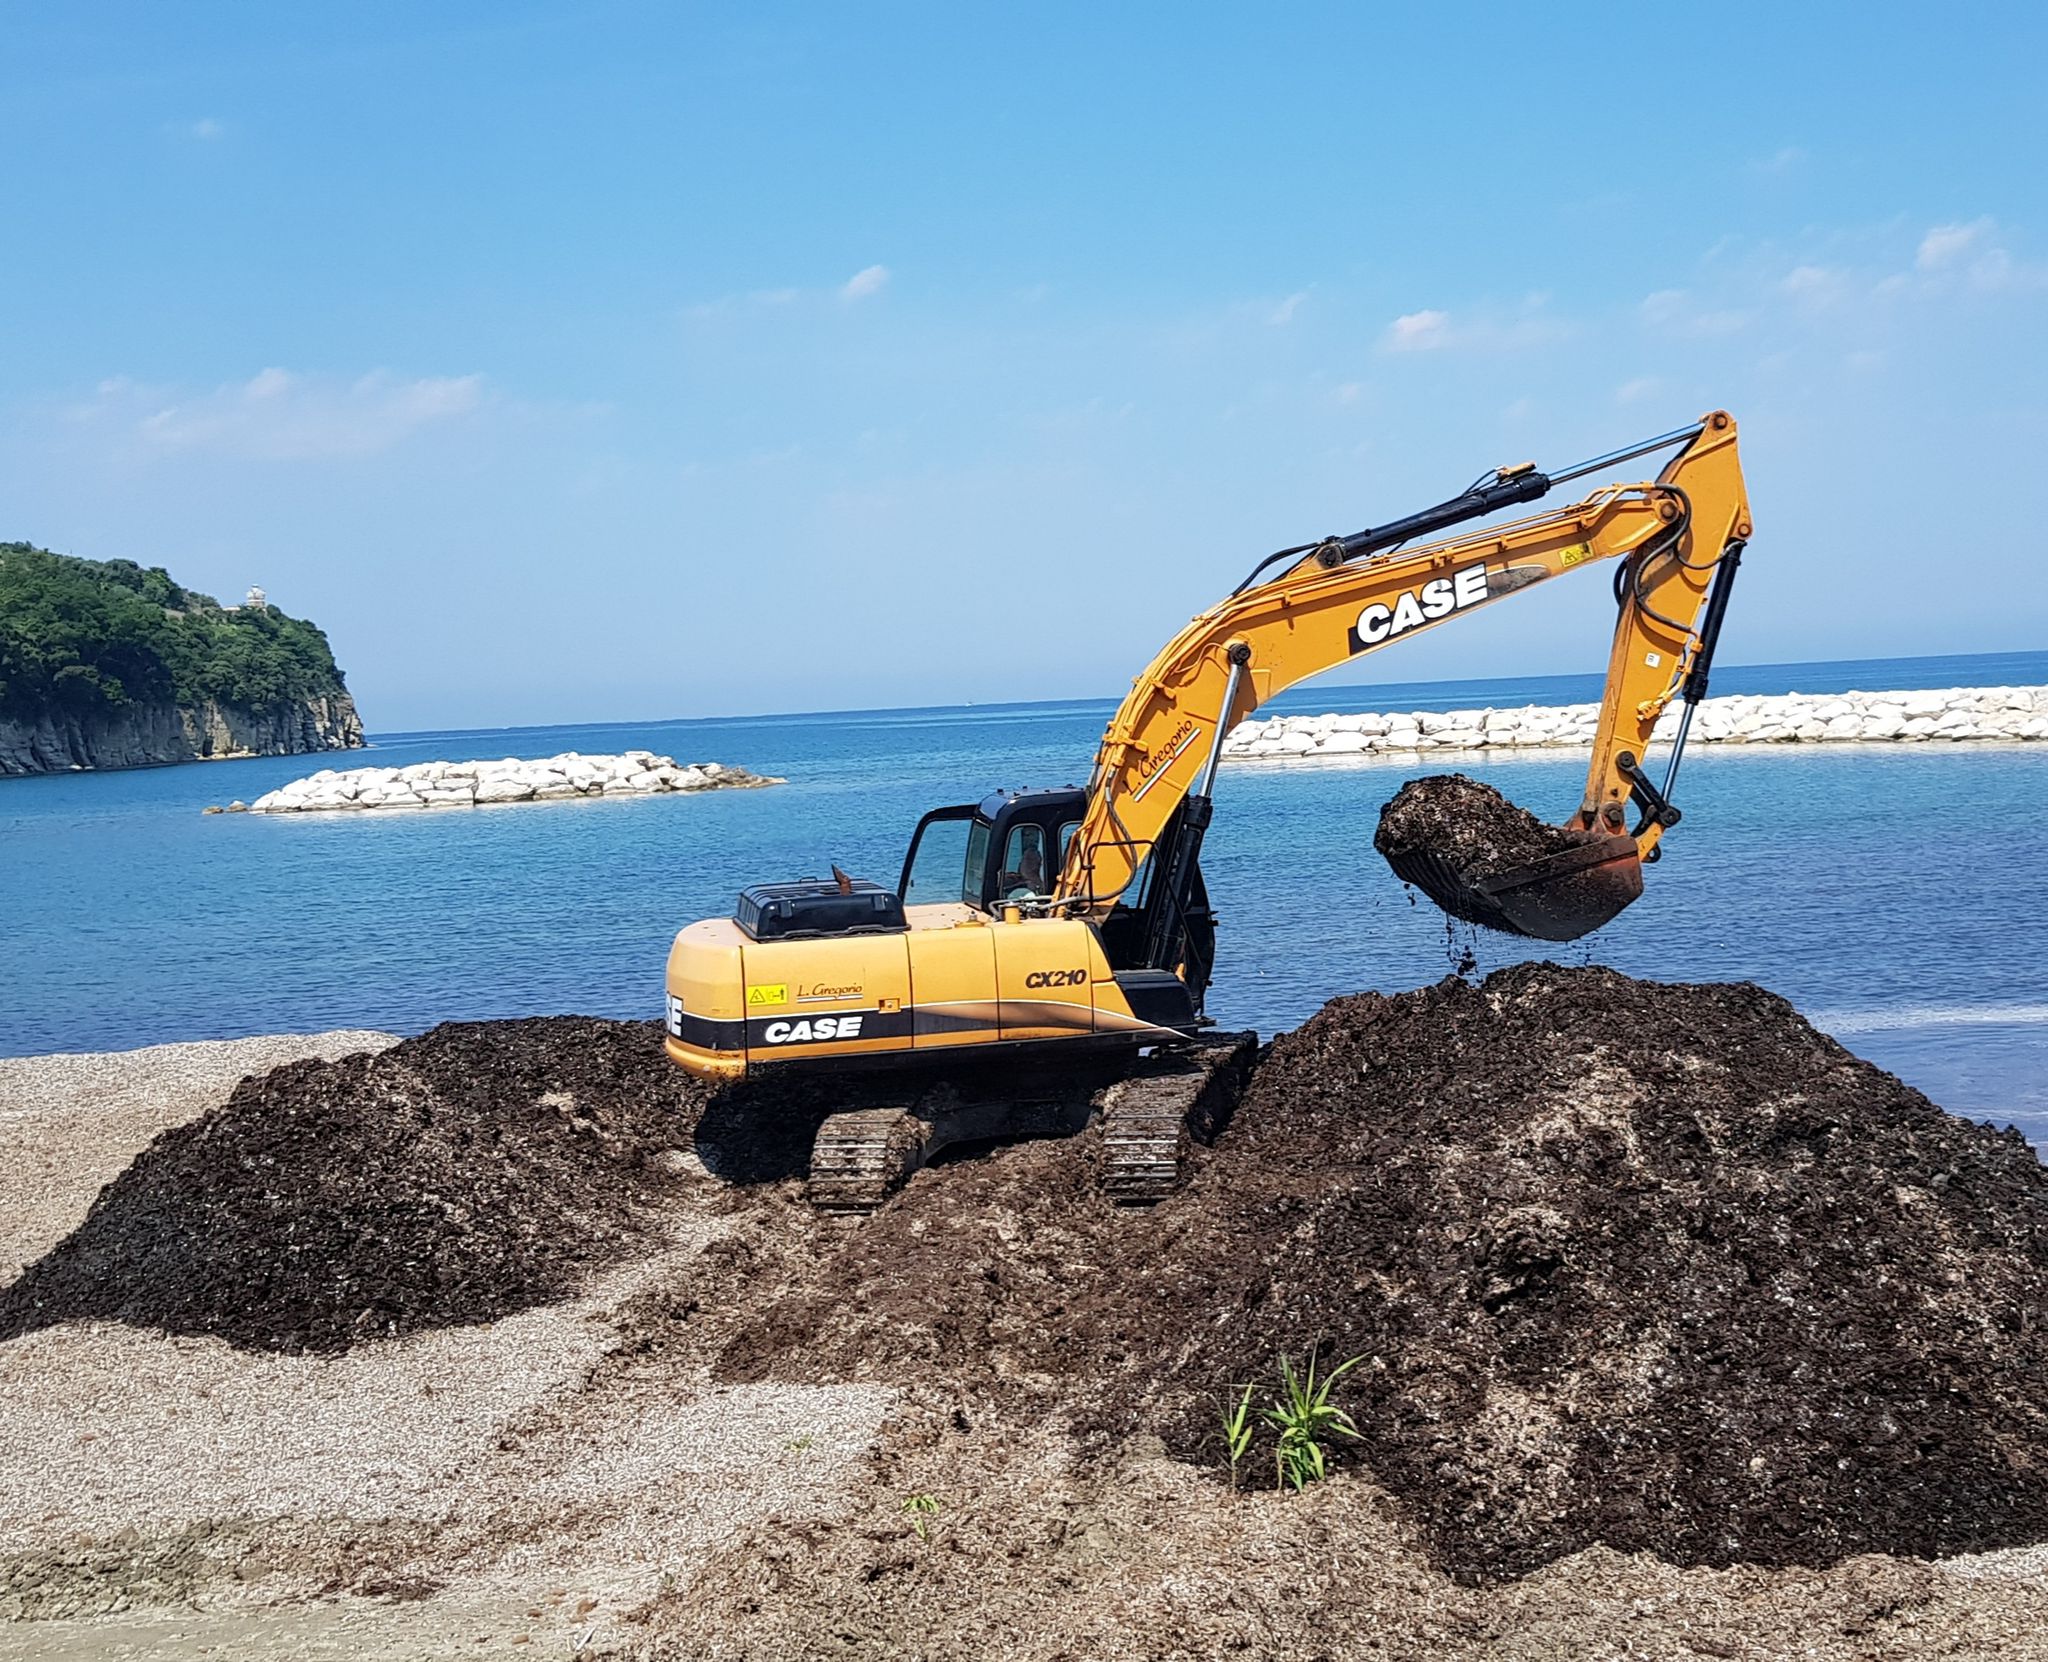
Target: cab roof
<point>996,803</point>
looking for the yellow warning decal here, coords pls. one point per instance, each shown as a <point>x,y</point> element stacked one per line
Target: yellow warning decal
<point>1577,554</point>
<point>769,992</point>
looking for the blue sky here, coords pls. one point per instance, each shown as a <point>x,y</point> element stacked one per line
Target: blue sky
<point>614,362</point>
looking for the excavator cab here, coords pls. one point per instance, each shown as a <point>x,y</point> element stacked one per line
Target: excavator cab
<point>1008,847</point>
<point>1008,850</point>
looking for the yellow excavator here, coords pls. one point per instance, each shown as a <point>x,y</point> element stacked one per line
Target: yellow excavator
<point>1070,929</point>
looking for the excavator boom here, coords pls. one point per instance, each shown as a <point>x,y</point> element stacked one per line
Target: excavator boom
<point>1677,540</point>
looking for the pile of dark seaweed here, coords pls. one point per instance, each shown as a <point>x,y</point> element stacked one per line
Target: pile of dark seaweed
<point>477,1170</point>
<point>1653,1265</point>
<point>1656,1266</point>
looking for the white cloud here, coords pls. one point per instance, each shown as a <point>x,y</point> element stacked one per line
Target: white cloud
<point>869,280</point>
<point>1635,391</point>
<point>1974,253</point>
<point>1945,245</point>
<point>862,285</point>
<point>1348,392</point>
<point>1419,331</point>
<point>278,416</point>
<point>728,304</point>
<point>1665,305</point>
<point>1284,312</point>
<point>1784,161</point>
<point>1493,330</point>
<point>1815,284</point>
<point>1677,312</point>
<point>1851,285</point>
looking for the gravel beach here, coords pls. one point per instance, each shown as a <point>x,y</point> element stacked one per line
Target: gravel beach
<point>462,1488</point>
<point>583,1479</point>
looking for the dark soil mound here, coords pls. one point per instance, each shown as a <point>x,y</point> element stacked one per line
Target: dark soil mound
<point>477,1170</point>
<point>1470,825</point>
<point>1655,1266</point>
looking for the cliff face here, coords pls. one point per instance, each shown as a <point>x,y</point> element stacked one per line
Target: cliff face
<point>144,735</point>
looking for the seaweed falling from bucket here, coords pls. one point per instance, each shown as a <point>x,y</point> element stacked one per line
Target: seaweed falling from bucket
<point>1483,859</point>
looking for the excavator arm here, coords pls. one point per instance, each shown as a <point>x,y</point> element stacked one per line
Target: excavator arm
<point>1675,543</point>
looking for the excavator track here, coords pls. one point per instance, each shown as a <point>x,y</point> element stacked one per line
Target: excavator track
<point>1149,1118</point>
<point>861,1157</point>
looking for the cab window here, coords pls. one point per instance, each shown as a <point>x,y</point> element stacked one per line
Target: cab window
<point>945,866</point>
<point>977,862</point>
<point>1027,869</point>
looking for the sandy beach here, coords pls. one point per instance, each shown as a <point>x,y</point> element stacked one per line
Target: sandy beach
<point>571,1480</point>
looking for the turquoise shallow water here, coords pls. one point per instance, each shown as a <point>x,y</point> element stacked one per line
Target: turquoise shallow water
<point>1898,895</point>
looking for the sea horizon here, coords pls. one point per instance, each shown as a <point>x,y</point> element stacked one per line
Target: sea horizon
<point>1826,675</point>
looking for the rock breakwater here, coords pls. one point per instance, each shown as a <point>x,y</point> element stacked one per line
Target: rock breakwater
<point>1945,715</point>
<point>471,784</point>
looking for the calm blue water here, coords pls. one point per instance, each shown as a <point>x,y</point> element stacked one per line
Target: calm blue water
<point>1899,896</point>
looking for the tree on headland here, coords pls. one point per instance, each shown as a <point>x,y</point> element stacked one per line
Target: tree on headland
<point>83,637</point>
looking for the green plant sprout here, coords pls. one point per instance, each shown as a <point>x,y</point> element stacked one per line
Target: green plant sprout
<point>1304,1416</point>
<point>1239,1422</point>
<point>920,1508</point>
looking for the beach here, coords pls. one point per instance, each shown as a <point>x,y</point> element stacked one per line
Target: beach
<point>571,1481</point>
<point>474,1483</point>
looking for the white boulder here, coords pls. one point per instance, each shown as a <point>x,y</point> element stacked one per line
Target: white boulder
<point>460,784</point>
<point>503,788</point>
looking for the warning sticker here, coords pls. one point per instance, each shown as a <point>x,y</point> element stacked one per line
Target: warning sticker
<point>769,992</point>
<point>1577,554</point>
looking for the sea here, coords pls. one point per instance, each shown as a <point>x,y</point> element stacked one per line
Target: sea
<point>1897,895</point>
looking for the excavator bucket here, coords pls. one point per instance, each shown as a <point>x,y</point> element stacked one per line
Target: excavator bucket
<point>1557,898</point>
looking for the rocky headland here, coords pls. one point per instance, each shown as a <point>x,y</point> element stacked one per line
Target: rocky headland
<point>111,664</point>
<point>475,784</point>
<point>1944,715</point>
<point>149,735</point>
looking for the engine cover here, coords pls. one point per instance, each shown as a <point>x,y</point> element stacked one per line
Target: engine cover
<point>815,907</point>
